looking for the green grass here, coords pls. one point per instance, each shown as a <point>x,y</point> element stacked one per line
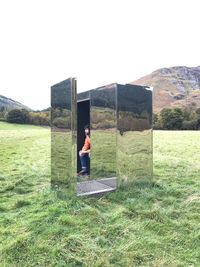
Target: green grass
<point>150,224</point>
<point>15,126</point>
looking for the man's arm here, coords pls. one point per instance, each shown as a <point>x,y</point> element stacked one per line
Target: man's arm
<point>85,151</point>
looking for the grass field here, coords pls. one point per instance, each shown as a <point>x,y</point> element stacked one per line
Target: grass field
<point>150,224</point>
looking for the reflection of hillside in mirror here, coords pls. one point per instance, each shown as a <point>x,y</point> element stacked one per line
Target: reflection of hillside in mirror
<point>134,136</point>
<point>103,134</point>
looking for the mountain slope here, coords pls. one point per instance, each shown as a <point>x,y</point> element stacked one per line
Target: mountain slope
<point>9,104</point>
<point>174,87</point>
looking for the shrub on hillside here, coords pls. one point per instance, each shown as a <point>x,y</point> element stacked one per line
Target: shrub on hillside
<point>40,118</point>
<point>189,125</point>
<point>18,116</point>
<point>177,119</point>
<point>171,119</point>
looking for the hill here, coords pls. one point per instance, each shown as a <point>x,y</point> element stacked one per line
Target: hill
<point>10,104</point>
<point>174,87</point>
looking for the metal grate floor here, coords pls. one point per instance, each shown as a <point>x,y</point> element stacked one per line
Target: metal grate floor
<point>94,187</point>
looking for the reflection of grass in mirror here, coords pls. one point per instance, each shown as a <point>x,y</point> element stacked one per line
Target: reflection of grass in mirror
<point>135,155</point>
<point>103,153</point>
<point>61,155</point>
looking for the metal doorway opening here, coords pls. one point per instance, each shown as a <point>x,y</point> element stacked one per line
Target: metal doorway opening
<point>83,119</point>
<point>88,184</point>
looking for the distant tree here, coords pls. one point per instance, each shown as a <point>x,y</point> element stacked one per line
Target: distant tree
<point>187,114</point>
<point>40,117</point>
<point>171,119</point>
<point>198,119</point>
<point>177,119</point>
<point>189,125</point>
<point>2,109</point>
<point>165,118</point>
<point>198,111</point>
<point>3,113</point>
<point>18,116</point>
<point>156,121</point>
<point>155,118</point>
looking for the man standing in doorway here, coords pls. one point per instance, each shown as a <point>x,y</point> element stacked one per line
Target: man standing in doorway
<point>84,154</point>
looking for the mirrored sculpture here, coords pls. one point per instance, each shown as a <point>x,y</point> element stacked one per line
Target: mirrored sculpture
<point>120,119</point>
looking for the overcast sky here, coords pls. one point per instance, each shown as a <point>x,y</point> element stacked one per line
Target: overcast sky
<point>43,42</point>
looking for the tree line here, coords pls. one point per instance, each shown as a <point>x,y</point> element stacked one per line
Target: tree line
<point>177,119</point>
<point>166,119</point>
<point>24,116</point>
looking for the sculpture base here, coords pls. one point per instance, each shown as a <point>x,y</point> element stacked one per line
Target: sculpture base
<point>96,187</point>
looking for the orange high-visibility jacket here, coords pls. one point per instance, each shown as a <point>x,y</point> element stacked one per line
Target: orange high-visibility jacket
<point>86,144</point>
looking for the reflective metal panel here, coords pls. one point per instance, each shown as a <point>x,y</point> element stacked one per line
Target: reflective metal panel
<point>103,122</point>
<point>63,137</point>
<point>134,133</point>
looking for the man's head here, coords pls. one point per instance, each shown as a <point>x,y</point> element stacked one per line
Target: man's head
<point>87,129</point>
